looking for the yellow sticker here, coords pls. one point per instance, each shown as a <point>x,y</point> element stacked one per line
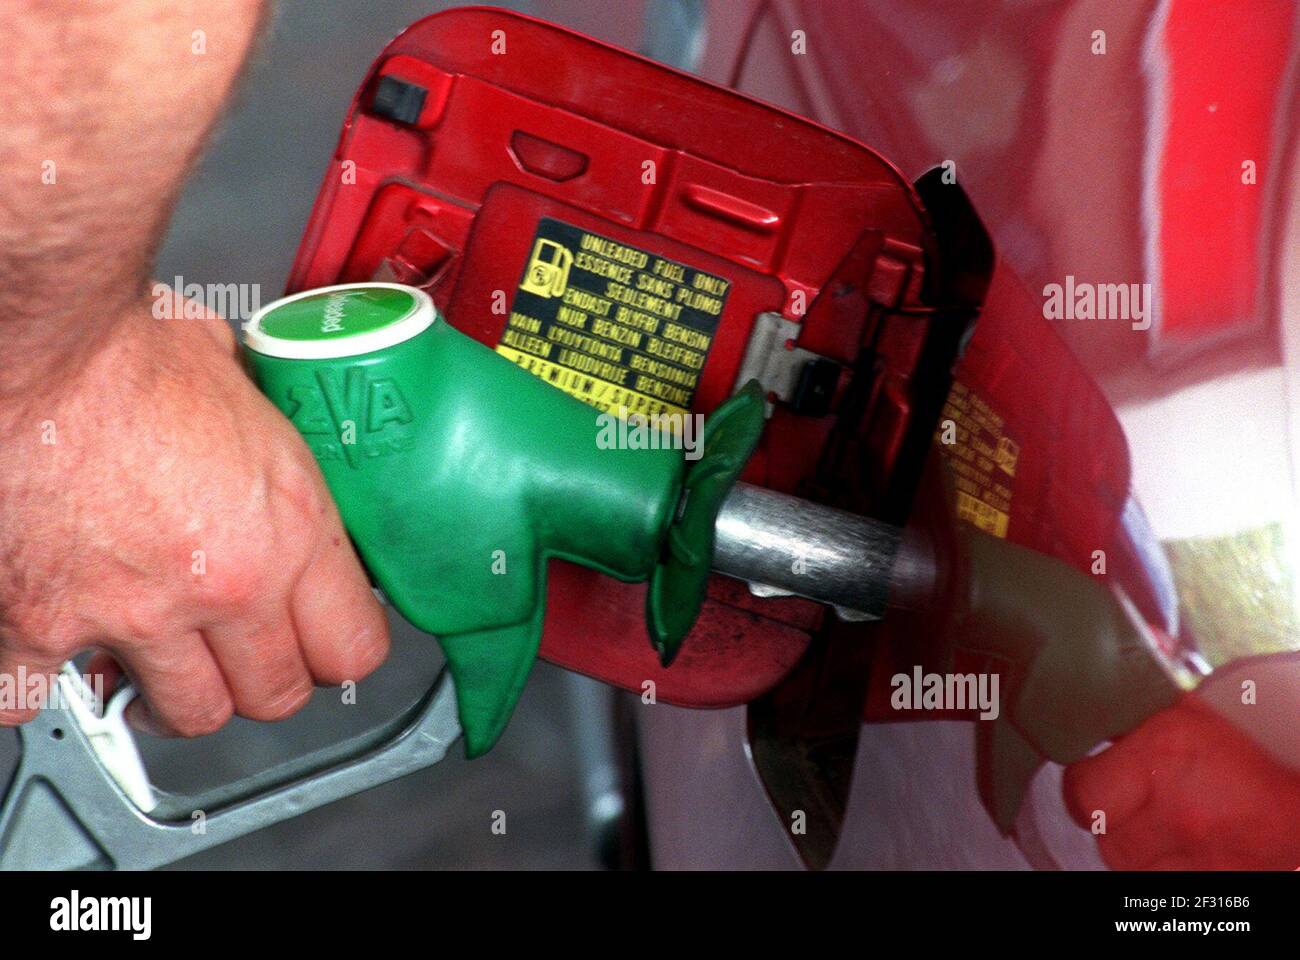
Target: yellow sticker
<point>613,325</point>
<point>982,458</point>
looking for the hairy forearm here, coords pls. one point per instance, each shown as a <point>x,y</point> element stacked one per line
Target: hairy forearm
<point>105,106</point>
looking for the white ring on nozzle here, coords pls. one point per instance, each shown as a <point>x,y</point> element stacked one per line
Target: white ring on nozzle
<point>422,316</point>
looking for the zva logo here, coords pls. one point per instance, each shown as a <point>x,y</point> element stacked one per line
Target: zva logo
<point>338,406</point>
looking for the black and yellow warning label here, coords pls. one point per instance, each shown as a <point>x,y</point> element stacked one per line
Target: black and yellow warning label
<point>982,457</point>
<point>613,325</point>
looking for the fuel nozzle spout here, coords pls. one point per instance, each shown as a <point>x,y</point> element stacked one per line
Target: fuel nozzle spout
<point>1077,663</point>
<point>787,546</point>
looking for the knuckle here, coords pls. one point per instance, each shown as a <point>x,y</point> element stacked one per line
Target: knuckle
<point>235,584</point>
<point>42,634</point>
<point>48,646</point>
<point>283,702</point>
<point>204,719</point>
<point>142,621</point>
<point>362,653</point>
<point>54,644</point>
<point>300,485</point>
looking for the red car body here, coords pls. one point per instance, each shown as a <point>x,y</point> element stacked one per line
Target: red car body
<point>1088,144</point>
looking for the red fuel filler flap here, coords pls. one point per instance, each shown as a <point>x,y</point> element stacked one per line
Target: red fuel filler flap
<point>641,238</point>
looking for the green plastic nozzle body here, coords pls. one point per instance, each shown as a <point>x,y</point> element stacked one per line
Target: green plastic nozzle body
<point>459,476</point>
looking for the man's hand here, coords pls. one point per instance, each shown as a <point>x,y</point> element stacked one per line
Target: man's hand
<point>154,504</point>
<point>1188,791</point>
<point>151,501</point>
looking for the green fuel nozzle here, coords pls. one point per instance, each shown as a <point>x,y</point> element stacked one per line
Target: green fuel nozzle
<point>459,475</point>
